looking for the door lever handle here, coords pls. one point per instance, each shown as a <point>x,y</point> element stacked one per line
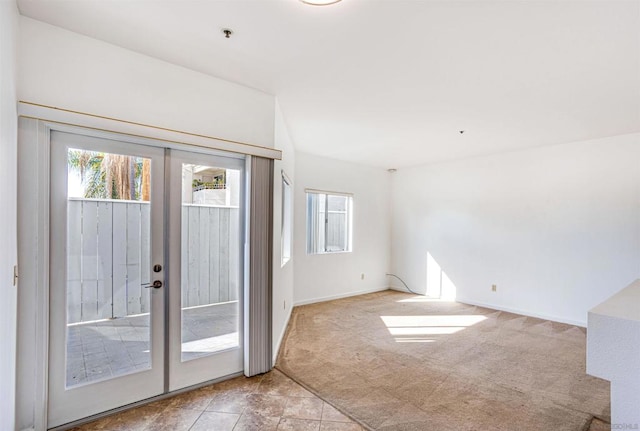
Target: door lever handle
<point>157,284</point>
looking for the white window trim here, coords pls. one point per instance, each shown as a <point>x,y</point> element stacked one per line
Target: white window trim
<point>349,221</point>
<point>328,192</point>
<point>286,182</point>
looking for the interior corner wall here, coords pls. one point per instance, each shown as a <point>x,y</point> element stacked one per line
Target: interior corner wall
<point>282,275</point>
<point>556,229</point>
<point>328,276</point>
<point>64,69</point>
<point>8,222</point>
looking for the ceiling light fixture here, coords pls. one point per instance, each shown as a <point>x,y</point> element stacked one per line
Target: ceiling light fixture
<point>320,2</point>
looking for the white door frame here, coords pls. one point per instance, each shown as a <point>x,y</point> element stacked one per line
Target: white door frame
<point>35,126</point>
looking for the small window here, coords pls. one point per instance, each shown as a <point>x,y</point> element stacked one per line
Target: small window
<point>328,222</point>
<point>287,219</point>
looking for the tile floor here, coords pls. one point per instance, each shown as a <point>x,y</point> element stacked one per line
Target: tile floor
<point>271,402</point>
<point>113,347</point>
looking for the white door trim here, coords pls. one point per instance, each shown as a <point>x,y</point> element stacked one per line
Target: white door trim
<point>33,256</point>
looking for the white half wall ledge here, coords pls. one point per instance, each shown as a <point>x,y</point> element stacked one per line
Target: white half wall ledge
<point>613,352</point>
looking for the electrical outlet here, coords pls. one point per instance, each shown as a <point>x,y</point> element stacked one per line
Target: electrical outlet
<point>362,276</point>
<point>494,287</point>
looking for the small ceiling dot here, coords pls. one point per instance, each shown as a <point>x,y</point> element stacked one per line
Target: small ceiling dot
<point>461,132</point>
<point>227,32</point>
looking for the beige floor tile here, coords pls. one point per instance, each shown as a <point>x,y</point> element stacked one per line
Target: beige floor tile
<point>198,399</point>
<point>214,421</point>
<point>228,402</point>
<point>243,402</point>
<point>276,383</point>
<point>303,408</point>
<point>239,384</point>
<point>266,405</point>
<point>98,425</point>
<point>131,420</point>
<point>298,391</point>
<point>339,426</point>
<point>174,420</point>
<point>255,422</point>
<point>330,413</point>
<point>289,424</point>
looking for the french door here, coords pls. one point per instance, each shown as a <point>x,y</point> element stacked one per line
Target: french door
<point>205,336</point>
<point>145,272</point>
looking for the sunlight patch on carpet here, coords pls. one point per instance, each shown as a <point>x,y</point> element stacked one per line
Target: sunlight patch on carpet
<point>408,328</point>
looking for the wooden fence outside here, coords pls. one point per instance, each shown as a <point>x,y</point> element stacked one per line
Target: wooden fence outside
<point>108,252</point>
<point>336,231</point>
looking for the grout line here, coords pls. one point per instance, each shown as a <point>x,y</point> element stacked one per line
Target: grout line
<point>194,422</point>
<point>314,392</point>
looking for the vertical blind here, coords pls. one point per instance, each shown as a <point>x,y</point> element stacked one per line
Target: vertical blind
<point>258,290</point>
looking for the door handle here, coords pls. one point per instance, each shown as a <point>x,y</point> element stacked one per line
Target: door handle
<point>157,284</point>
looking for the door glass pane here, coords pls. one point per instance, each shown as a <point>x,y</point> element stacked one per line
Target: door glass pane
<point>108,265</point>
<point>210,260</point>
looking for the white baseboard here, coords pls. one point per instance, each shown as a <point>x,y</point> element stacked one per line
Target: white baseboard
<point>276,349</point>
<point>582,324</point>
<point>403,290</point>
<point>339,296</point>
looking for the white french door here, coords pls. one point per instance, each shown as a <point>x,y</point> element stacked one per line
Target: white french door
<point>206,261</point>
<point>106,339</point>
<point>132,227</point>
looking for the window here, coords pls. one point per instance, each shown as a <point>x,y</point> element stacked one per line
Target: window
<point>328,222</point>
<point>287,226</point>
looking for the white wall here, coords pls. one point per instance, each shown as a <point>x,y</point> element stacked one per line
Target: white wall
<point>71,71</point>
<point>326,276</point>
<point>67,70</point>
<point>282,275</point>
<point>8,227</point>
<point>557,228</point>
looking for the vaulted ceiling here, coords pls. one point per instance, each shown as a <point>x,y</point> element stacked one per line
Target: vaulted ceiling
<point>391,83</point>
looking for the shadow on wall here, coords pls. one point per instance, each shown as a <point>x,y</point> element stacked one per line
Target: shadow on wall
<point>439,285</point>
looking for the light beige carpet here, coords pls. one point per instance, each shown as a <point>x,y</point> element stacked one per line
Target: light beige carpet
<point>395,361</point>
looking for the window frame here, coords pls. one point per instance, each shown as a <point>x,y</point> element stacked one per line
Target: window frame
<point>286,231</point>
<point>322,248</point>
